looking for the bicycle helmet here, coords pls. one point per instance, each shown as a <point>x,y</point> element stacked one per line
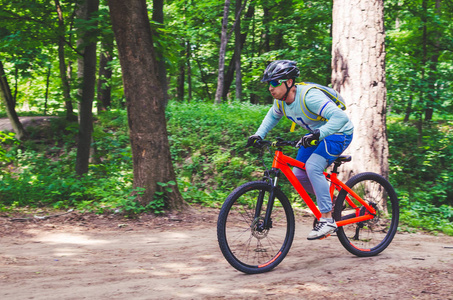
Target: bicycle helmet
<point>280,69</point>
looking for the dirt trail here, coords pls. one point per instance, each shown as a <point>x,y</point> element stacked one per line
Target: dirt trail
<point>177,257</point>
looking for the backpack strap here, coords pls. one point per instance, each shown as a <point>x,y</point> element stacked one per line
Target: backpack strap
<point>329,92</point>
<point>308,113</point>
<point>333,95</point>
<point>293,125</point>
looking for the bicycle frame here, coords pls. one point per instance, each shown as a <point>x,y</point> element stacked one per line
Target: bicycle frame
<point>284,163</point>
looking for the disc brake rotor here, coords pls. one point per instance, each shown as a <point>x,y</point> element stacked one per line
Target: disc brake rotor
<point>258,229</point>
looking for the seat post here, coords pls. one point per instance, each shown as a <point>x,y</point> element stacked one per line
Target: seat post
<point>336,164</point>
<point>341,159</point>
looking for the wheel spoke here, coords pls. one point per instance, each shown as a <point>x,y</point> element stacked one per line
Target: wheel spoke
<point>369,237</point>
<point>245,243</point>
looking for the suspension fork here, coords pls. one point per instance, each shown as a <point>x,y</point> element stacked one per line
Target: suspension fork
<point>267,223</point>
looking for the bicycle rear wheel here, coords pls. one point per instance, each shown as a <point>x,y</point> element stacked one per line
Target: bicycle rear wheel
<point>244,242</point>
<point>370,237</point>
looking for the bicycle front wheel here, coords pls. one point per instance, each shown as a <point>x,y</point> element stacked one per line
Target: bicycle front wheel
<point>245,242</point>
<point>370,237</point>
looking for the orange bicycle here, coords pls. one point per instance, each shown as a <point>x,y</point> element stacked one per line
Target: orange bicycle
<point>256,224</point>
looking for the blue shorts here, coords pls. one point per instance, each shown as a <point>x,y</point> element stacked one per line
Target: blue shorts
<point>330,148</point>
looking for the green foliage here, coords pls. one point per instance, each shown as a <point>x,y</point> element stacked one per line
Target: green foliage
<point>41,171</point>
<point>6,139</point>
<point>160,197</point>
<point>207,146</point>
<point>419,57</point>
<point>423,174</point>
<point>428,175</point>
<point>422,214</point>
<point>129,205</point>
<point>300,32</point>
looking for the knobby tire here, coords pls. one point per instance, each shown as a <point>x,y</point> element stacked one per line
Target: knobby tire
<point>244,243</point>
<point>370,237</point>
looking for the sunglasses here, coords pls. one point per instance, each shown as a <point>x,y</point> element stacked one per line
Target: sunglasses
<point>276,83</point>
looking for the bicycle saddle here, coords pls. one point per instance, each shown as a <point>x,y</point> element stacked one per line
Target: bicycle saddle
<point>343,158</point>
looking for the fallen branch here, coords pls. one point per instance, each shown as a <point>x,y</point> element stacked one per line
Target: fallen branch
<point>40,217</point>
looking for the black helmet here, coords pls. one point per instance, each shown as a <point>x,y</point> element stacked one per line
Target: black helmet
<point>281,69</point>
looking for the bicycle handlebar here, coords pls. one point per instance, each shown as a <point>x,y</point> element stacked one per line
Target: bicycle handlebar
<point>278,143</point>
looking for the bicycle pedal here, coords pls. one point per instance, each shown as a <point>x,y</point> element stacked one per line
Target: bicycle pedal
<point>324,237</point>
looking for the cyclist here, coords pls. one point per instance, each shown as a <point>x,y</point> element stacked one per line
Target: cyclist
<point>327,138</point>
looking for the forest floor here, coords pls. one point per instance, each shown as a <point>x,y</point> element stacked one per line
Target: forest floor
<point>86,256</point>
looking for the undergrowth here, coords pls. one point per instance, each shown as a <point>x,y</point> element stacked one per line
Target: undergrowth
<point>207,147</point>
<point>423,174</point>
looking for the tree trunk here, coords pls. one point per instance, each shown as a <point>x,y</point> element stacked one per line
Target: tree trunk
<point>181,74</point>
<point>434,60</point>
<point>81,14</point>
<point>158,16</point>
<point>232,65</point>
<point>104,95</point>
<point>87,93</point>
<point>189,72</point>
<point>203,78</point>
<point>7,98</point>
<point>266,35</point>
<point>229,76</point>
<point>46,98</point>
<point>358,73</point>
<point>70,116</point>
<point>408,109</point>
<point>420,130</point>
<point>144,100</point>
<point>424,19</point>
<point>16,83</point>
<point>237,51</point>
<point>222,53</point>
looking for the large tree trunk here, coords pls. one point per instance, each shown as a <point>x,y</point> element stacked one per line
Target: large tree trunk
<point>7,98</point>
<point>144,100</point>
<point>88,66</point>
<point>358,73</point>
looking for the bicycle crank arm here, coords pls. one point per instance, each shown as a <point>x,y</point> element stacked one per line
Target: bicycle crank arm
<point>354,220</point>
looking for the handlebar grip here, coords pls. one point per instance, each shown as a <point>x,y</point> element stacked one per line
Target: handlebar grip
<point>259,143</point>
